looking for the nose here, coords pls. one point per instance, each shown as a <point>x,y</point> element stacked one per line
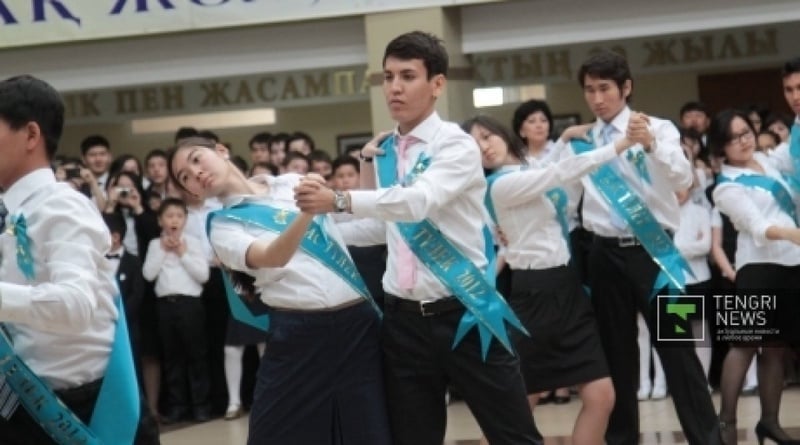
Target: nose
<point>394,84</point>
<point>596,97</point>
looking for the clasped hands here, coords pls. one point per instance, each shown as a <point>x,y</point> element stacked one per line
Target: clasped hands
<point>313,195</point>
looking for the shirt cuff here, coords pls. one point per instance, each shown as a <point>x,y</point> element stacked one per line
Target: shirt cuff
<point>363,203</point>
<point>760,234</point>
<point>15,301</point>
<point>605,153</point>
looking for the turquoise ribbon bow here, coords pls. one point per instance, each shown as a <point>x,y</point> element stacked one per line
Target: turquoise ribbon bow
<point>627,204</point>
<point>637,158</point>
<point>486,308</point>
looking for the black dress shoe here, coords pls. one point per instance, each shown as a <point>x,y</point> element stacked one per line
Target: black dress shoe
<point>202,414</point>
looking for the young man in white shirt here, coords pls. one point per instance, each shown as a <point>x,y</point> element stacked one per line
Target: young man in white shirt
<point>56,288</point>
<point>178,264</point>
<point>621,272</point>
<point>421,314</point>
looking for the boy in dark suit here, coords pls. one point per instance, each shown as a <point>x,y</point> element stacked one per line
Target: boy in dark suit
<point>128,274</point>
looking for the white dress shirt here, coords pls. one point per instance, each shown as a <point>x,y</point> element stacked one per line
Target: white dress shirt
<point>196,224</point>
<point>173,274</point>
<point>528,218</point>
<point>449,193</point>
<point>693,240</point>
<point>62,322</point>
<point>116,257</point>
<point>667,166</point>
<point>303,283</point>
<point>752,210</point>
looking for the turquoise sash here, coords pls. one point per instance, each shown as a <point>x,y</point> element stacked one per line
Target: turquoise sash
<point>627,204</point>
<point>794,152</point>
<point>775,188</point>
<point>315,243</point>
<point>557,196</point>
<point>116,413</point>
<point>486,309</point>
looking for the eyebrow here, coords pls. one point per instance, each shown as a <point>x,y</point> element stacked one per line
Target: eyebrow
<point>180,172</point>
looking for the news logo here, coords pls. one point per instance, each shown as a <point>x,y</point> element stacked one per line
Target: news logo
<point>675,316</point>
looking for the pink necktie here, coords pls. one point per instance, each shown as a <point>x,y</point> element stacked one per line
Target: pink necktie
<point>406,263</point>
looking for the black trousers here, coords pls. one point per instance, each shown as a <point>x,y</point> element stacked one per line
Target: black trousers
<point>621,279</point>
<point>420,363</point>
<point>22,429</point>
<point>215,303</point>
<point>181,323</point>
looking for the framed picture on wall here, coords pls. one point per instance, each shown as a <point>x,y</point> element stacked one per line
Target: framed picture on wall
<point>348,142</point>
<point>562,121</point>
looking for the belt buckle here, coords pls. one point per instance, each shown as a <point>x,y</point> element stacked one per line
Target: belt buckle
<point>424,304</point>
<point>627,241</point>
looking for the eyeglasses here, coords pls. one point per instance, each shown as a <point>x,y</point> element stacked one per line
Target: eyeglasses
<point>742,137</point>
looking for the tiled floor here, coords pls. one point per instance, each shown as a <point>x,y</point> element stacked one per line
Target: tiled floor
<point>658,423</point>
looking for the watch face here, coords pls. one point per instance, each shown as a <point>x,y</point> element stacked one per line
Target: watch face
<point>340,202</point>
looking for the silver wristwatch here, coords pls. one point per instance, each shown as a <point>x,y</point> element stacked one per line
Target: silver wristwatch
<point>339,202</point>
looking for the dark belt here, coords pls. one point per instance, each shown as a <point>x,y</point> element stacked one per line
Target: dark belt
<point>176,298</point>
<point>618,241</point>
<point>426,308</point>
<point>623,241</point>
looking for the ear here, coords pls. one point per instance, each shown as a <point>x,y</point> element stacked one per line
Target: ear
<point>438,82</point>
<point>33,136</point>
<point>627,88</point>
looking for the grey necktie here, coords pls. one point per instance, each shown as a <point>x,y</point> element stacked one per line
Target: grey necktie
<point>8,399</point>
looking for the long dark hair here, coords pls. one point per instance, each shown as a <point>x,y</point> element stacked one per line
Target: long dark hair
<point>515,145</point>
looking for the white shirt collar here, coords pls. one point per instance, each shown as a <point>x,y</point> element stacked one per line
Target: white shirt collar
<point>27,186</point>
<point>426,130</point>
<point>620,122</point>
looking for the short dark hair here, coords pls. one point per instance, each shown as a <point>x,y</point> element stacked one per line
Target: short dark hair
<point>273,169</point>
<point>343,160</point>
<point>300,136</point>
<point>320,156</point>
<point>259,138</point>
<point>208,134</point>
<point>606,64</point>
<point>94,140</point>
<point>526,109</point>
<point>694,106</point>
<point>115,223</point>
<point>515,146</point>
<point>278,138</point>
<point>292,155</point>
<point>776,117</point>
<point>790,67</point>
<point>719,132</point>
<point>185,132</point>
<point>155,153</point>
<point>419,45</point>
<point>172,202</point>
<point>25,99</point>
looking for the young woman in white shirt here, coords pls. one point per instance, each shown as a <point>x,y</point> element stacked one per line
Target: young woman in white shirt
<point>320,380</point>
<point>563,349</point>
<point>767,257</point>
